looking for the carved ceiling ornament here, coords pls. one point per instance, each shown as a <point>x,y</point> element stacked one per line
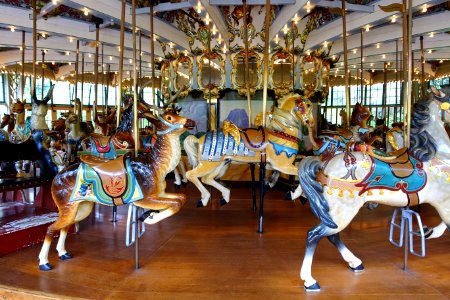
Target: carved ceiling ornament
<point>211,86</point>
<point>255,72</point>
<point>280,72</point>
<point>183,69</point>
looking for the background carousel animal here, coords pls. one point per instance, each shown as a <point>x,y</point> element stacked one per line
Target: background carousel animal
<point>336,191</point>
<point>7,120</point>
<point>210,153</point>
<point>140,180</point>
<point>39,110</point>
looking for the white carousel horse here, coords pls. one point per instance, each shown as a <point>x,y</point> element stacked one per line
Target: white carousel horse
<point>39,110</point>
<point>210,153</point>
<point>337,191</point>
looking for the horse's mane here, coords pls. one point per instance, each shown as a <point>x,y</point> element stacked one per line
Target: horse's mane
<point>282,119</point>
<point>127,120</point>
<point>422,144</point>
<point>285,99</point>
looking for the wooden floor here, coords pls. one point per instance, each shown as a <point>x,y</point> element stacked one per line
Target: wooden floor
<point>215,253</point>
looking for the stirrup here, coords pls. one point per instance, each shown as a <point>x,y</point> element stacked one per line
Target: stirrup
<point>415,229</point>
<point>131,224</point>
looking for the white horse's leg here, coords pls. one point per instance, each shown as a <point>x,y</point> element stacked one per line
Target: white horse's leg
<point>183,171</point>
<point>354,263</point>
<point>438,231</point>
<point>177,178</point>
<point>200,171</point>
<point>314,236</point>
<point>209,179</point>
<point>290,170</point>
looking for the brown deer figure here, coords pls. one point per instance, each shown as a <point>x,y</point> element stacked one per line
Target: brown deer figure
<point>149,171</point>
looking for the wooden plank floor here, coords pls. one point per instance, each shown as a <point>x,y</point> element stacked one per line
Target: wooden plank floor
<point>215,253</point>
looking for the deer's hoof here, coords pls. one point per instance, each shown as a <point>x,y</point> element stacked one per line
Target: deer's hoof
<point>45,267</point>
<point>357,269</point>
<point>66,256</point>
<point>312,288</point>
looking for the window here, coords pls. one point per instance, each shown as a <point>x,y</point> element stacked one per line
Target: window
<point>2,89</point>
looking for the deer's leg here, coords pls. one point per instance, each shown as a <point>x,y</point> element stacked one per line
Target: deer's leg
<point>84,209</point>
<point>161,206</point>
<point>203,169</point>
<point>177,178</point>
<point>66,218</point>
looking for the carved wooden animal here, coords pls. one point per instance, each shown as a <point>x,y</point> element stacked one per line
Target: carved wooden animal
<point>150,172</point>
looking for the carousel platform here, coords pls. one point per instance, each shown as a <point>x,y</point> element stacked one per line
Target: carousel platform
<point>215,253</point>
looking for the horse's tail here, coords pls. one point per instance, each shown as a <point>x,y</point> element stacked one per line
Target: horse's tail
<point>307,174</point>
<point>191,147</point>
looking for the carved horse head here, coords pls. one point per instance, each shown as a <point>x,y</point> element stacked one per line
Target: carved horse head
<point>17,107</point>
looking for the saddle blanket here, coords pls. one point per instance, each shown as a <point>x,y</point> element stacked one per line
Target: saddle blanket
<point>217,144</point>
<point>118,188</point>
<point>405,173</point>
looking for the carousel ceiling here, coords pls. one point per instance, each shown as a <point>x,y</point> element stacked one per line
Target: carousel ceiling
<point>183,27</point>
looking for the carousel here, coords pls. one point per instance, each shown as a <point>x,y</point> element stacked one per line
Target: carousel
<point>201,149</point>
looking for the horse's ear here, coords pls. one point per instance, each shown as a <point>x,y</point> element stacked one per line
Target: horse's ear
<point>49,94</point>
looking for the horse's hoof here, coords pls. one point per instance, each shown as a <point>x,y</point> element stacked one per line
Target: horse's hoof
<point>312,288</point>
<point>427,232</point>
<point>288,196</point>
<point>45,267</point>
<point>177,186</point>
<point>147,214</point>
<point>357,269</point>
<point>184,184</point>
<point>303,200</point>
<point>200,203</point>
<point>65,256</point>
<point>223,202</point>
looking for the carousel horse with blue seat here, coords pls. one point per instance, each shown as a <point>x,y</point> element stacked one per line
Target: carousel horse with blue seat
<point>212,152</point>
<point>337,189</point>
<point>138,180</point>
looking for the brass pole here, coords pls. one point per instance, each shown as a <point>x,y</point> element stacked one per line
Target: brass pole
<point>152,51</point>
<point>384,89</point>
<point>422,60</point>
<point>344,38</point>
<point>77,53</point>
<point>362,68</point>
<point>42,73</point>
<point>396,77</point>
<point>22,78</point>
<point>97,33</point>
<point>135,115</point>
<point>140,60</point>
<point>293,52</point>
<point>410,70</point>
<point>266,62</point>
<point>121,49</point>
<point>82,80</point>
<point>247,71</point>
<point>103,88</point>
<point>209,77</point>
<point>33,5</point>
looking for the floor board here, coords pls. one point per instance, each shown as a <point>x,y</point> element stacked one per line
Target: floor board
<point>215,253</point>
